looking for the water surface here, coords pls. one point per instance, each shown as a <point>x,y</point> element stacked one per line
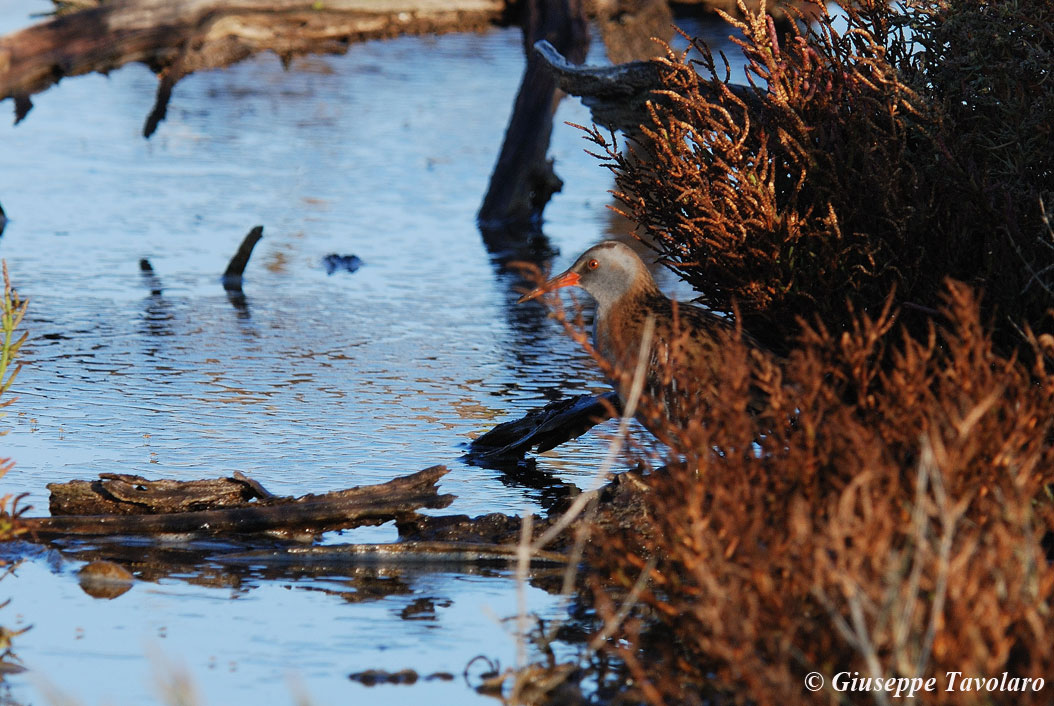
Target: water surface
<point>313,382</point>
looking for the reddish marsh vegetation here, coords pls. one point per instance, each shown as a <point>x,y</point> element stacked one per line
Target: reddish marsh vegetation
<point>889,521</point>
<point>911,145</point>
<point>875,211</point>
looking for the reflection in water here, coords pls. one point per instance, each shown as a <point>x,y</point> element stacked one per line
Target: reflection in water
<point>239,301</point>
<point>150,278</point>
<point>511,243</point>
<point>105,579</point>
<point>331,382</point>
<point>524,473</point>
<point>244,567</point>
<point>158,316</point>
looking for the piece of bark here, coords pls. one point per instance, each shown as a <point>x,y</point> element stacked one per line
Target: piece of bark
<point>121,494</point>
<point>179,37</point>
<point>545,428</point>
<point>258,489</point>
<point>372,677</point>
<point>523,179</point>
<point>365,505</point>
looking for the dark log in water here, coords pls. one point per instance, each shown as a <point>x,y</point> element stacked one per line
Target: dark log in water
<point>523,180</point>
<point>616,95</point>
<point>231,538</point>
<point>342,509</point>
<point>545,428</point>
<point>178,37</point>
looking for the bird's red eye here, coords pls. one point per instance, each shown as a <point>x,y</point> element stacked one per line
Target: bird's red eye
<point>592,264</point>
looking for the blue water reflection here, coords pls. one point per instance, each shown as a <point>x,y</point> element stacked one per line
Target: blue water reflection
<point>311,382</point>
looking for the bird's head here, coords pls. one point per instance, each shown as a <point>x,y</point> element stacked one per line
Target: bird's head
<point>607,271</point>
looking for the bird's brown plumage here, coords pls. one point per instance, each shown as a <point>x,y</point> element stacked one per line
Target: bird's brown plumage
<point>687,341</point>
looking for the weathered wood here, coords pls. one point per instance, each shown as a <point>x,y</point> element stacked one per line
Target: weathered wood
<point>121,494</point>
<point>617,96</point>
<point>179,37</point>
<point>523,180</point>
<point>366,505</point>
<point>545,428</point>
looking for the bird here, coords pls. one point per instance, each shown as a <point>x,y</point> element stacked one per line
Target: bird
<point>687,342</point>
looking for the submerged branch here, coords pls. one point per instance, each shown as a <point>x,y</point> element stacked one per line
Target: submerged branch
<point>232,277</point>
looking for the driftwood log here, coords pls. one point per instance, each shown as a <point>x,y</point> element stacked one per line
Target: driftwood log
<point>221,547</point>
<point>122,494</point>
<point>178,37</point>
<point>342,509</point>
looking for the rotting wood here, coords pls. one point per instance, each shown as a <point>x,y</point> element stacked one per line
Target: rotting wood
<point>492,528</point>
<point>178,37</point>
<point>373,677</point>
<point>617,96</point>
<point>469,543</point>
<point>123,494</point>
<point>545,428</point>
<point>342,509</point>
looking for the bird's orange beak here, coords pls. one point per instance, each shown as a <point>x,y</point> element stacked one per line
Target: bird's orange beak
<point>567,279</point>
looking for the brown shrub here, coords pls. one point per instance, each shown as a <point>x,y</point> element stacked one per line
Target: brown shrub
<point>882,514</point>
<point>911,145</point>
<point>884,510</point>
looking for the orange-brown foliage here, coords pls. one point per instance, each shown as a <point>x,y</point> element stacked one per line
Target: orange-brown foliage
<point>883,513</point>
<point>882,507</point>
<point>892,147</point>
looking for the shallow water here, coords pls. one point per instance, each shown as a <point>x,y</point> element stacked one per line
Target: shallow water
<point>314,382</point>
